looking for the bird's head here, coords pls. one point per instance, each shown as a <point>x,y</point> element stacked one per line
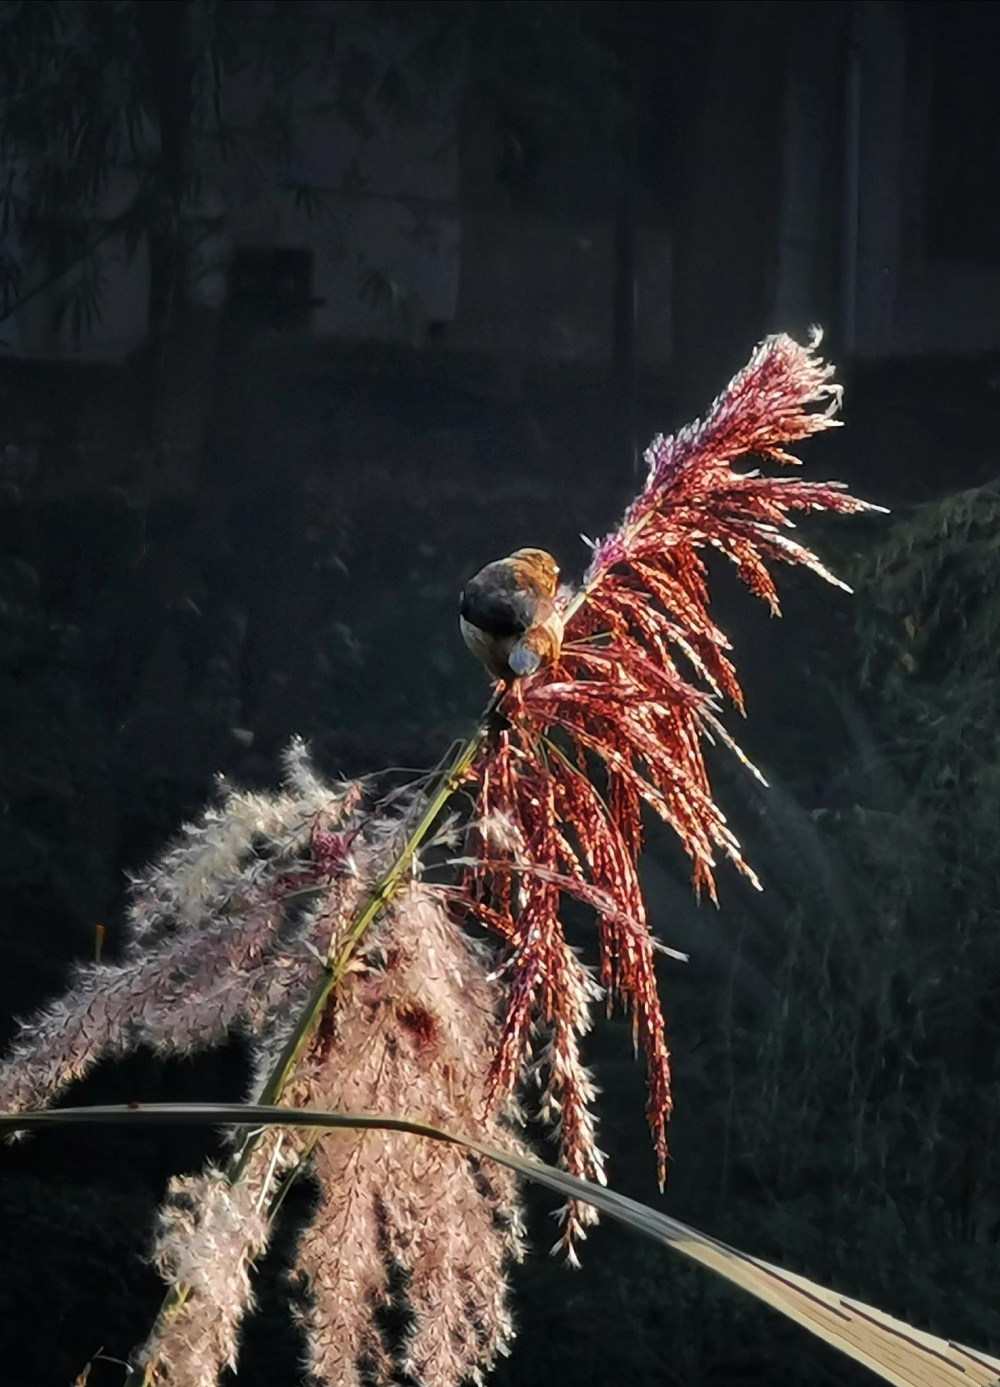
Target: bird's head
<point>540,569</point>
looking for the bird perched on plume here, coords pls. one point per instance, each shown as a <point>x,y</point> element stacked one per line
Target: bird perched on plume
<point>510,616</point>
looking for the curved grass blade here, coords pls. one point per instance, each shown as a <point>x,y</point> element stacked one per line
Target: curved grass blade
<point>893,1350</point>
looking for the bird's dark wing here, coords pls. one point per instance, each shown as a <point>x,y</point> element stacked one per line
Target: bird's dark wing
<point>493,602</point>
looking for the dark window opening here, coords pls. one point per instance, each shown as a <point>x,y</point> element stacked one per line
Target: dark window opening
<point>271,287</point>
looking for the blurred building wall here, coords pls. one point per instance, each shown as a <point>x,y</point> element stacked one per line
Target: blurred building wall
<point>823,206</point>
<point>870,91</point>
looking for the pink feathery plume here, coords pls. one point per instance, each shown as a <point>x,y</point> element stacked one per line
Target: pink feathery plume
<point>215,940</point>
<point>231,926</point>
<point>619,721</point>
<point>411,1029</point>
<point>208,1234</point>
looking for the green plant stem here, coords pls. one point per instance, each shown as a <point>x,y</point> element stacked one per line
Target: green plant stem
<point>342,951</point>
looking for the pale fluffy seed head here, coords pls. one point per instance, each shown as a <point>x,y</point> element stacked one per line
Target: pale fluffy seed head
<point>230,927</point>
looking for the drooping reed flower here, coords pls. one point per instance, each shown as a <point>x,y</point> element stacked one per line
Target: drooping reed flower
<point>412,1029</point>
<point>224,931</point>
<point>232,927</point>
<point>208,1234</point>
<point>619,721</point>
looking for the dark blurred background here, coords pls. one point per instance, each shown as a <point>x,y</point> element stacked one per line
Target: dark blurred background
<point>309,309</point>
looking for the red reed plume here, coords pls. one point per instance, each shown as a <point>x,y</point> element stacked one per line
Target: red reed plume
<point>613,724</point>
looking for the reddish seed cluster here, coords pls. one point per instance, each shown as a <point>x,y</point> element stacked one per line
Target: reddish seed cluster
<point>330,850</point>
<point>616,724</point>
<point>329,859</point>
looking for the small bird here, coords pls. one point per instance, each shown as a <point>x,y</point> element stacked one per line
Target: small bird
<point>509,615</point>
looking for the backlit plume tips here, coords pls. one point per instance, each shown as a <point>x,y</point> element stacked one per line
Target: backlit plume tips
<point>617,722</point>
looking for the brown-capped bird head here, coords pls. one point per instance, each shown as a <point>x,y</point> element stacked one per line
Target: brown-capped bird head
<point>539,568</point>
